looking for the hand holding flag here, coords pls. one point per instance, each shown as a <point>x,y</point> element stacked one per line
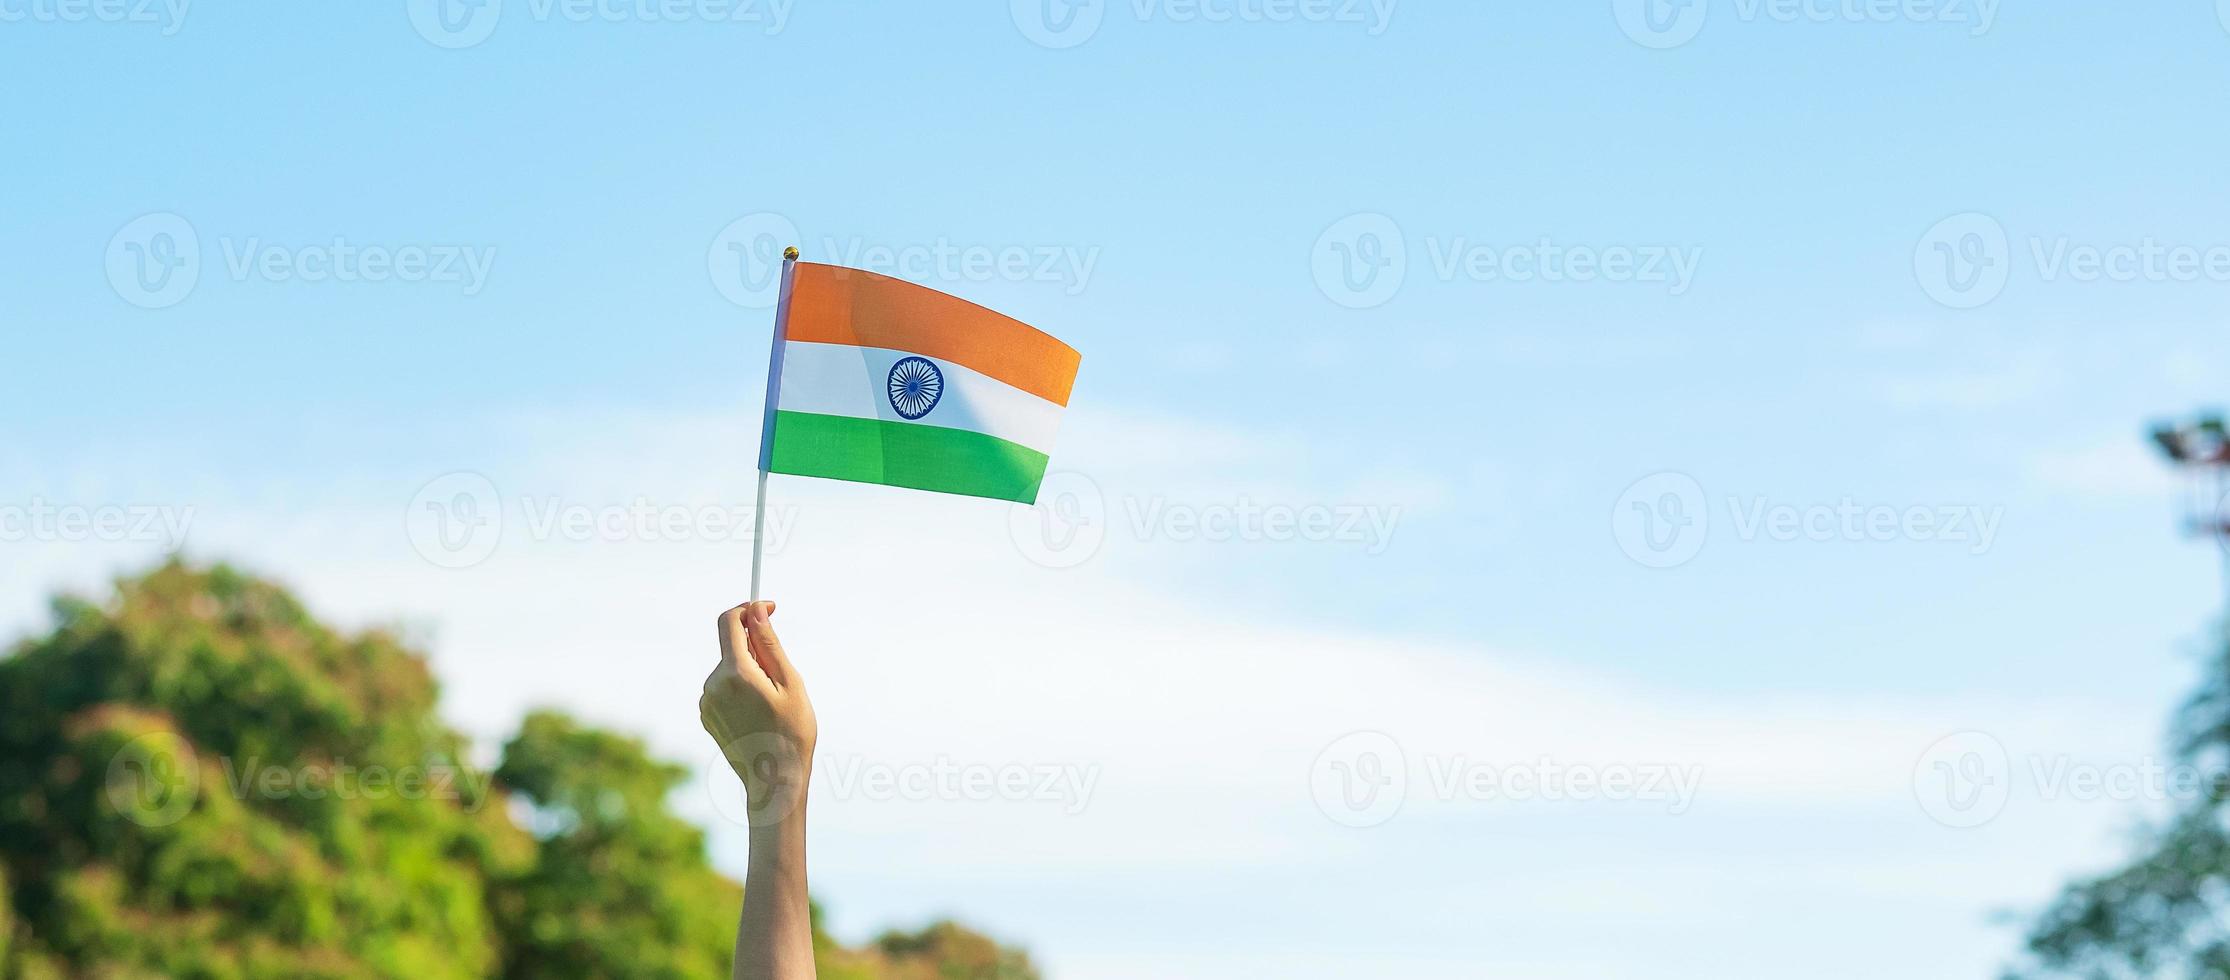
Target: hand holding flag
<point>754,705</point>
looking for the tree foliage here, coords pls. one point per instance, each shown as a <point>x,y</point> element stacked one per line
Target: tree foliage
<point>198,779</point>
<point>613,848</point>
<point>2167,913</point>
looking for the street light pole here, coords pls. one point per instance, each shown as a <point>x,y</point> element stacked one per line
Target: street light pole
<point>2200,451</point>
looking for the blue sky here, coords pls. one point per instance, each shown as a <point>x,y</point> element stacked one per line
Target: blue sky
<point>1177,186</point>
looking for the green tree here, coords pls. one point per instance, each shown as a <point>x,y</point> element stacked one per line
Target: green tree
<point>620,886</point>
<point>198,779</point>
<point>7,920</point>
<point>137,831</point>
<point>2167,913</point>
<point>945,951</point>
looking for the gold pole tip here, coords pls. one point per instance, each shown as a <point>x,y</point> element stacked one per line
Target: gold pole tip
<point>790,253</point>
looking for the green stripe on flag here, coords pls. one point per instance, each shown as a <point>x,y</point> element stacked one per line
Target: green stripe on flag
<point>904,454</point>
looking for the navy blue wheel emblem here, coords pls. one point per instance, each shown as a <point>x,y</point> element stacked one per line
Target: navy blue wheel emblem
<point>915,386</point>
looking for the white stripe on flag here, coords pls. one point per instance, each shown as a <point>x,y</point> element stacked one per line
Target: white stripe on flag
<point>836,379</point>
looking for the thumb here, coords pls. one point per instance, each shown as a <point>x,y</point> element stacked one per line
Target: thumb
<point>766,646</point>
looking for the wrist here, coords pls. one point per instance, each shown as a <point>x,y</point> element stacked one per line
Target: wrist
<point>779,841</point>
<point>775,770</point>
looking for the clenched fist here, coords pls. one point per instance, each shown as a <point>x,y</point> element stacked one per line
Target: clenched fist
<point>755,706</point>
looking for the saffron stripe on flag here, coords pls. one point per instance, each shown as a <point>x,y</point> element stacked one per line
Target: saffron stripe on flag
<point>904,454</point>
<point>834,305</point>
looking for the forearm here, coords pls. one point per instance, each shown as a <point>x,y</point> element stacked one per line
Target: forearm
<point>775,939</point>
<point>754,705</point>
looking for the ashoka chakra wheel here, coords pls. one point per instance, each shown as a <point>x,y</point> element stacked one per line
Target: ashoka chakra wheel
<point>915,386</point>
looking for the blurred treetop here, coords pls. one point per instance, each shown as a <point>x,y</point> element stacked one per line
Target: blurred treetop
<point>199,779</point>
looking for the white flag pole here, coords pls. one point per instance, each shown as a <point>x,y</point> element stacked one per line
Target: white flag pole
<point>766,427</point>
<point>758,534</point>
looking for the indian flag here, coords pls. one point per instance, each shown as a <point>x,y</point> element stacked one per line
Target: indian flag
<point>877,380</point>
